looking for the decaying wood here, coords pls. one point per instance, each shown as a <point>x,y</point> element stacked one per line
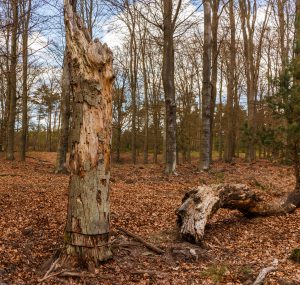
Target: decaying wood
<point>91,77</point>
<point>200,204</point>
<point>264,272</point>
<point>145,243</point>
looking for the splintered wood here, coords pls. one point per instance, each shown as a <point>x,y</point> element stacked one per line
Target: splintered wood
<point>200,204</point>
<point>91,74</point>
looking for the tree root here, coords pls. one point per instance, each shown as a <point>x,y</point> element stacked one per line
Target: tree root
<point>63,265</point>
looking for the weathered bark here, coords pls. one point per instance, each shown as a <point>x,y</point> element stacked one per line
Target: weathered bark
<point>206,90</point>
<point>62,150</point>
<point>87,228</point>
<point>27,15</point>
<point>200,204</point>
<point>12,85</point>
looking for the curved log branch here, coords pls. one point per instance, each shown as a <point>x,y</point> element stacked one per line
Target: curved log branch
<point>200,204</point>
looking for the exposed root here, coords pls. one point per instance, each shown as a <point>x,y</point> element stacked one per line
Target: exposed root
<point>65,266</point>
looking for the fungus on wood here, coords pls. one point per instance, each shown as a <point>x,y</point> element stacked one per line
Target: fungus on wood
<point>91,77</point>
<point>200,204</point>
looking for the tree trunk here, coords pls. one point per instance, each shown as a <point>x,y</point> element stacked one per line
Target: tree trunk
<point>25,76</point>
<point>13,85</point>
<point>206,90</point>
<point>221,115</point>
<point>62,150</point>
<point>133,70</point>
<point>146,109</point>
<point>200,204</point>
<point>169,87</point>
<point>229,144</point>
<point>49,129</point>
<point>214,68</point>
<point>87,228</point>
<point>294,197</point>
<point>120,97</point>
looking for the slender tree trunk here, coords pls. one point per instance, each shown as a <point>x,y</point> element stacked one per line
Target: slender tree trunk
<point>282,23</point>
<point>133,68</point>
<point>206,90</point>
<point>214,67</point>
<point>221,115</point>
<point>13,85</point>
<point>87,228</point>
<point>169,87</point>
<point>119,121</point>
<point>7,77</point>
<point>229,144</point>
<point>62,150</point>
<point>146,127</point>
<point>26,15</point>
<point>156,124</point>
<point>49,129</point>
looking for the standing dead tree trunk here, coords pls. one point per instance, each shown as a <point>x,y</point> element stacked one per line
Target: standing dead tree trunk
<point>87,228</point>
<point>200,204</point>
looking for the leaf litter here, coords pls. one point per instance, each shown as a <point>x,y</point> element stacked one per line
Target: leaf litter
<point>33,203</point>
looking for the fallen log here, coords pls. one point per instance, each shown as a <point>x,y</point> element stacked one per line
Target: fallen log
<point>200,204</point>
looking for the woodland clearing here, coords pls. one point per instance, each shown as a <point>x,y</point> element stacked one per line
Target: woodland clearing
<point>33,204</point>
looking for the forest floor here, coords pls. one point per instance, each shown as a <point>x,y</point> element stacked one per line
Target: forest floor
<point>33,203</point>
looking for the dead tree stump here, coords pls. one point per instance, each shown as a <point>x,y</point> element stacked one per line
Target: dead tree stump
<point>91,78</point>
<point>200,204</point>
